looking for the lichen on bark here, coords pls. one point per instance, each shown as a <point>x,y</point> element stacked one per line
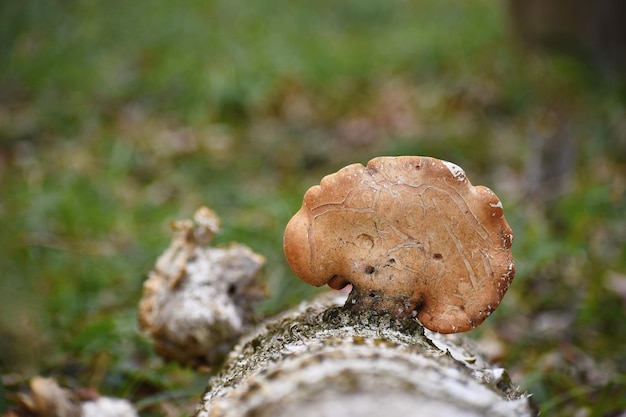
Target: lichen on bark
<point>323,360</point>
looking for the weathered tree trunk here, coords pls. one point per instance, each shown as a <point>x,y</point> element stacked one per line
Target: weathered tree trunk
<point>320,360</point>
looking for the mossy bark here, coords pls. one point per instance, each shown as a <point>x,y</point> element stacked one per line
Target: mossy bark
<point>321,360</point>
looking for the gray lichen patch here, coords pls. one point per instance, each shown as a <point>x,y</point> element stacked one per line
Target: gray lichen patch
<point>322,360</point>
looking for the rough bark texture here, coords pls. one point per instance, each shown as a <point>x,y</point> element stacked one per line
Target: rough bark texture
<point>322,360</point>
<point>199,299</point>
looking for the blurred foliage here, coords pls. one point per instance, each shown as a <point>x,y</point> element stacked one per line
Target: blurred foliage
<point>118,117</point>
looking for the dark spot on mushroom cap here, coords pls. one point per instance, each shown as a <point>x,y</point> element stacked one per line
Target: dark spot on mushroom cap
<point>370,269</point>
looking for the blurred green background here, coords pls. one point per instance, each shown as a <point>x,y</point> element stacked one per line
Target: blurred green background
<point>117,117</point>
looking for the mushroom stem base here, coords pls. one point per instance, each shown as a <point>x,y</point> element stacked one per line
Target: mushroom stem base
<point>372,300</point>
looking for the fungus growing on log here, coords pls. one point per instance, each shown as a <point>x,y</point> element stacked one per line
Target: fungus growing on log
<point>412,235</point>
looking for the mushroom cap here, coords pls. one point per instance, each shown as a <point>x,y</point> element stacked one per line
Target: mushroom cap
<point>412,235</point>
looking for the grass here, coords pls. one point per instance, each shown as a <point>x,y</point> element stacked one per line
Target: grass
<point>117,117</point>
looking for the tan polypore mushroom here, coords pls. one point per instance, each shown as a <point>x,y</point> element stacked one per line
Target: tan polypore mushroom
<point>412,235</point>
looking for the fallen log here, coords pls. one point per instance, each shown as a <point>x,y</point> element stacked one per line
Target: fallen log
<point>323,360</point>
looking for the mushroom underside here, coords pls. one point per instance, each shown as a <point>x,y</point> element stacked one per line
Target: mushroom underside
<point>434,313</point>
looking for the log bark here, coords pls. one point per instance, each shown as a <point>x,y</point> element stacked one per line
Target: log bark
<point>321,360</point>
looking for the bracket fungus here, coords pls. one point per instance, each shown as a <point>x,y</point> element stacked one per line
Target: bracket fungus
<point>412,235</point>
